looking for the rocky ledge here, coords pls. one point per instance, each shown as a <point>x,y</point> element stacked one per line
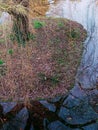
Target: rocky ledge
<point>60,113</point>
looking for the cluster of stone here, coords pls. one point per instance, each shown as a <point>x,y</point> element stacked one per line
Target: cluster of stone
<point>60,113</point>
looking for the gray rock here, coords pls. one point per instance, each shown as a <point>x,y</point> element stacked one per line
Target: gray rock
<point>72,101</point>
<point>80,113</point>
<point>56,99</point>
<point>51,1</point>
<point>17,123</point>
<point>91,127</point>
<point>50,106</point>
<point>57,125</point>
<point>7,106</point>
<point>5,17</point>
<point>64,113</point>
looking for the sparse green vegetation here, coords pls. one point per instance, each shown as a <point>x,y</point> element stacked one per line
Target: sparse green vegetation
<point>2,40</point>
<point>12,37</point>
<point>60,24</point>
<point>38,24</point>
<point>1,62</point>
<point>42,76</point>
<point>46,64</point>
<point>3,68</point>
<point>54,80</point>
<point>10,51</point>
<point>31,36</point>
<point>75,33</point>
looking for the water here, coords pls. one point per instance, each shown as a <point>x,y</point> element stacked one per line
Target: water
<point>84,12</point>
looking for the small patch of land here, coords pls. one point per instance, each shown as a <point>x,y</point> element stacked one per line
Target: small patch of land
<point>46,66</point>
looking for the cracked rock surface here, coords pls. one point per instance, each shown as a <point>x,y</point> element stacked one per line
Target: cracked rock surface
<point>65,113</point>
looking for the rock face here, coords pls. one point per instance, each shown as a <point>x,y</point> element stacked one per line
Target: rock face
<point>85,13</point>
<point>5,17</point>
<point>63,113</point>
<point>79,109</point>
